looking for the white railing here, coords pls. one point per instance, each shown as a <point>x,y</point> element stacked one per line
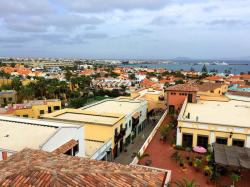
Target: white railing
<point>102,151</point>
<point>150,137</point>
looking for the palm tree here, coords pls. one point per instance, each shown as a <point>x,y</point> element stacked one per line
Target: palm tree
<point>185,183</point>
<point>140,156</point>
<point>235,178</point>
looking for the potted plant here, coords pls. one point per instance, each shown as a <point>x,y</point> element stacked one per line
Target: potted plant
<point>235,178</point>
<point>207,170</point>
<point>185,183</point>
<point>190,161</point>
<point>181,162</point>
<point>187,149</point>
<point>197,164</point>
<point>176,156</point>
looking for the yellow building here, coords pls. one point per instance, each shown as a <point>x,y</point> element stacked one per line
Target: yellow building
<point>155,98</point>
<point>212,91</point>
<point>207,122</point>
<point>118,120</point>
<point>36,108</point>
<point>4,81</point>
<point>8,97</point>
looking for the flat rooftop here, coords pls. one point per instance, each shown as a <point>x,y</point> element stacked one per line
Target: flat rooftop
<point>18,133</point>
<point>88,118</point>
<point>121,106</point>
<point>17,136</point>
<point>233,113</point>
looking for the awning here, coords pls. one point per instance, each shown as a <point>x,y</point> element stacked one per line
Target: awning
<point>232,156</point>
<point>65,147</point>
<point>136,115</point>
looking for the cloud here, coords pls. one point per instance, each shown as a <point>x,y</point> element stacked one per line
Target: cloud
<point>25,7</point>
<point>110,5</point>
<point>228,22</point>
<point>43,23</point>
<point>162,21</point>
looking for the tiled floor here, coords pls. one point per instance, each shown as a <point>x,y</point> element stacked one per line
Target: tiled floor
<point>160,154</point>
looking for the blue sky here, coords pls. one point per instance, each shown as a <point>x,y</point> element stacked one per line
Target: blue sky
<point>145,29</point>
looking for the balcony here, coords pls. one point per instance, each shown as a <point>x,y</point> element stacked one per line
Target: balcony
<point>120,135</point>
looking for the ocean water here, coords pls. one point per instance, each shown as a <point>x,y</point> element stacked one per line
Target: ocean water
<point>235,67</point>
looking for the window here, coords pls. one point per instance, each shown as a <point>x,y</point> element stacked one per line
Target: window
<point>140,113</point>
<point>239,143</point>
<point>221,140</point>
<point>202,141</point>
<point>25,116</point>
<point>56,107</point>
<point>130,122</point>
<point>41,111</point>
<point>187,140</point>
<point>10,99</point>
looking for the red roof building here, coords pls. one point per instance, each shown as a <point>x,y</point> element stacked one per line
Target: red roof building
<point>177,94</point>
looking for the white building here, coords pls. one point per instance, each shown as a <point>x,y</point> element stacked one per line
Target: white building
<point>19,133</point>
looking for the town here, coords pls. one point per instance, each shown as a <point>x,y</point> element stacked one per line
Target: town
<point>97,122</point>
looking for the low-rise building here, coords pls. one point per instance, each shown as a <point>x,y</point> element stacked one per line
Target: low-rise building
<point>206,122</point>
<point>177,94</point>
<point>8,97</point>
<point>36,108</point>
<point>19,133</point>
<point>115,120</point>
<point>156,99</point>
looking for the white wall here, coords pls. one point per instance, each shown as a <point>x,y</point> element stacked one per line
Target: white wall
<point>64,135</point>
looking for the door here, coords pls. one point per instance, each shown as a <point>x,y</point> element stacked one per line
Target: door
<point>190,98</point>
<point>49,109</point>
<point>187,140</point>
<point>202,141</point>
<point>171,109</point>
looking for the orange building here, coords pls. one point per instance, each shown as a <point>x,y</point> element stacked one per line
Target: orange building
<point>177,94</point>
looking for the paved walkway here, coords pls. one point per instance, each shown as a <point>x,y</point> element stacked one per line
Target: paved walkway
<point>126,157</point>
<point>160,154</point>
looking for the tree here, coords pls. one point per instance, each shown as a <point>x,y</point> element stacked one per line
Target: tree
<point>16,84</point>
<point>185,183</point>
<point>204,69</point>
<point>68,74</point>
<point>26,93</point>
<point>141,156</point>
<point>164,131</point>
<point>179,82</point>
<point>132,76</point>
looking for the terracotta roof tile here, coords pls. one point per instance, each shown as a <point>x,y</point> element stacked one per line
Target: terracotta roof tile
<point>65,147</point>
<point>207,86</point>
<point>39,168</point>
<point>183,87</point>
<point>238,93</point>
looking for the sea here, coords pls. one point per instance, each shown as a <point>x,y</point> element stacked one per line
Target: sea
<point>226,66</point>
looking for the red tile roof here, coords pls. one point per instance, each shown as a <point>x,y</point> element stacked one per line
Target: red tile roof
<point>207,86</point>
<point>39,168</point>
<point>214,78</point>
<point>65,147</point>
<point>183,87</point>
<point>238,93</point>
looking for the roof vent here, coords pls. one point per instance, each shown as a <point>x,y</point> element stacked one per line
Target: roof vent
<point>197,118</point>
<point>7,135</point>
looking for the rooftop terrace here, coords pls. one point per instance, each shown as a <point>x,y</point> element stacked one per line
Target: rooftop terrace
<point>234,113</point>
<point>122,106</point>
